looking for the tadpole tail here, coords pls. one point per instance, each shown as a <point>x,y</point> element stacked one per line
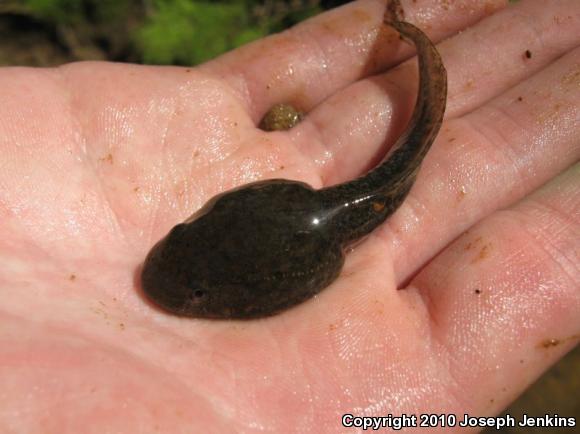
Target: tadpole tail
<point>394,177</point>
<point>412,146</point>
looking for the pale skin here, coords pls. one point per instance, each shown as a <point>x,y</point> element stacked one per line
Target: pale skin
<point>455,305</point>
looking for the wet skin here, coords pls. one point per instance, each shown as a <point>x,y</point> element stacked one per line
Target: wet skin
<point>267,246</point>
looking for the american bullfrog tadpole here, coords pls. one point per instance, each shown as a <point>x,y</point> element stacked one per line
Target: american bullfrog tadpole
<point>264,247</point>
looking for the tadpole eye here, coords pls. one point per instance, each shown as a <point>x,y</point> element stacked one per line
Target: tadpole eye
<point>197,296</point>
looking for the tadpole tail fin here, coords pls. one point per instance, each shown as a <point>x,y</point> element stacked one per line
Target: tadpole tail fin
<point>398,171</point>
<point>410,149</point>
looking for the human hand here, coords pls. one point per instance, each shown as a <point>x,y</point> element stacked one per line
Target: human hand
<point>99,160</point>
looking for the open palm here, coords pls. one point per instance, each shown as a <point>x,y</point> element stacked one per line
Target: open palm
<point>98,161</point>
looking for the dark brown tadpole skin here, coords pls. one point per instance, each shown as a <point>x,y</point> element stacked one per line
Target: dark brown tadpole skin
<point>264,247</point>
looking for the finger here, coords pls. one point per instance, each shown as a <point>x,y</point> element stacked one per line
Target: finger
<point>309,62</point>
<point>489,159</point>
<point>504,298</point>
<point>529,39</point>
<point>354,126</point>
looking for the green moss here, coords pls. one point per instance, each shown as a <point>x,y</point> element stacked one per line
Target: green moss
<point>60,11</point>
<point>182,32</point>
<point>78,12</point>
<point>185,32</point>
